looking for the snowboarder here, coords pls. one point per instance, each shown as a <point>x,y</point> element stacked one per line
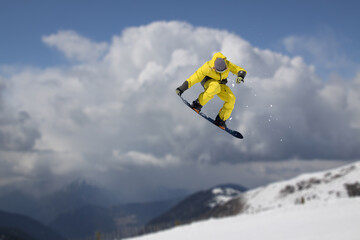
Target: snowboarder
<point>213,77</point>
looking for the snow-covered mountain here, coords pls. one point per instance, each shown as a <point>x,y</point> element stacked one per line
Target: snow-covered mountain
<point>314,187</point>
<point>321,206</point>
<point>223,193</point>
<point>198,205</point>
<point>323,186</point>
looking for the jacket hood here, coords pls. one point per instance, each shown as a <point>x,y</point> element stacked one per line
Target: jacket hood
<point>216,55</point>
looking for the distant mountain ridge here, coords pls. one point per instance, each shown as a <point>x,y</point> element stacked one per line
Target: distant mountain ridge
<point>45,209</point>
<point>85,221</point>
<point>13,234</point>
<point>79,209</point>
<point>21,203</point>
<point>75,195</point>
<point>198,205</point>
<point>24,228</point>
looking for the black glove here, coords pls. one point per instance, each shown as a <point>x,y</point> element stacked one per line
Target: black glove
<point>240,77</point>
<point>182,88</point>
<point>179,91</point>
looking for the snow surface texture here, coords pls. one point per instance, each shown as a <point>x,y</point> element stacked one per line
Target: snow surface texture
<point>333,220</point>
<point>312,206</point>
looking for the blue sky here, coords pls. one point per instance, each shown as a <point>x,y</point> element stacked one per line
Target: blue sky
<point>87,90</point>
<point>264,23</point>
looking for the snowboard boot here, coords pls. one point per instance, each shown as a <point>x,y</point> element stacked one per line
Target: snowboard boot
<point>219,122</point>
<point>196,106</point>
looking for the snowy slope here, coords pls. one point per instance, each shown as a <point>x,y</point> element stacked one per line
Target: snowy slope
<point>314,187</point>
<point>312,206</point>
<point>333,220</point>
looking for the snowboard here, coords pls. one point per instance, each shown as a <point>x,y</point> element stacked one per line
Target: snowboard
<point>228,130</point>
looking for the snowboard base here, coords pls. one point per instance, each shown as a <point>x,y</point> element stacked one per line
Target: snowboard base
<point>228,130</point>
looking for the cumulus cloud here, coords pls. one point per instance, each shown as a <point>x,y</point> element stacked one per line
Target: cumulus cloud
<point>117,110</point>
<point>75,47</point>
<point>17,131</point>
<point>18,135</point>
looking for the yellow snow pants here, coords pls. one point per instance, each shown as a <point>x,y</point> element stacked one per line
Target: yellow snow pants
<point>212,88</point>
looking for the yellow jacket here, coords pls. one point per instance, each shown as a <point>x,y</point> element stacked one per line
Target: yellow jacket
<point>207,70</point>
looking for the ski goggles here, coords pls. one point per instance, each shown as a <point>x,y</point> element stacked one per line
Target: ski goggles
<point>220,71</point>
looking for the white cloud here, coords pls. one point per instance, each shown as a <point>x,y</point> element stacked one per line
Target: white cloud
<point>325,50</point>
<point>75,47</point>
<point>18,132</point>
<point>143,159</point>
<point>118,108</point>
